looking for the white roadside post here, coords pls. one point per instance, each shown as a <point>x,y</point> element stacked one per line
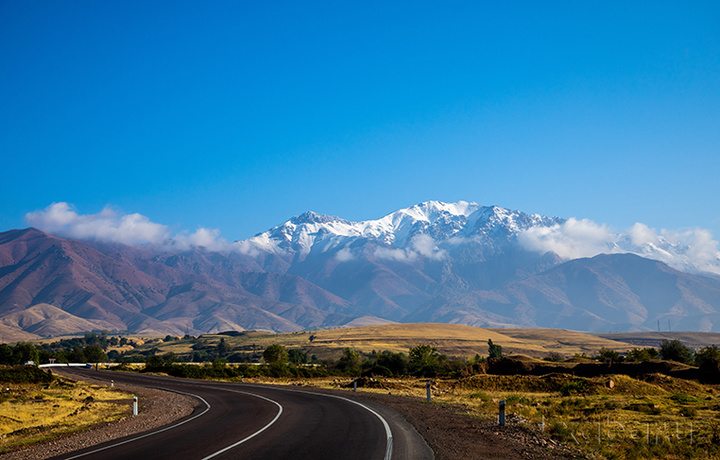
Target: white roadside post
<point>355,385</point>
<point>135,405</point>
<point>501,416</point>
<point>429,393</point>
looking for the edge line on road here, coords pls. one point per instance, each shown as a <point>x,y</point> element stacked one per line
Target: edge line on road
<point>152,432</point>
<point>277,416</point>
<point>388,432</point>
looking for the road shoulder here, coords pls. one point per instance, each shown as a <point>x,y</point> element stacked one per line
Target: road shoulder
<point>157,408</point>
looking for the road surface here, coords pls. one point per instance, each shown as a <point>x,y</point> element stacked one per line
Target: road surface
<point>243,421</point>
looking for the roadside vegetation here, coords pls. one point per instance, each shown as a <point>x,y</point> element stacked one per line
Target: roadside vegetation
<point>645,402</point>
<point>35,405</point>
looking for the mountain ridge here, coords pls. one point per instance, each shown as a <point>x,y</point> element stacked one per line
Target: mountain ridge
<point>446,262</point>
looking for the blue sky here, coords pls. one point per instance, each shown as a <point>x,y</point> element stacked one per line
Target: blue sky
<point>238,115</point>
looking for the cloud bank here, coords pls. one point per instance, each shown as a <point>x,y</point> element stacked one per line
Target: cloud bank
<point>690,250</point>
<point>111,226</point>
<point>687,250</point>
<point>421,245</point>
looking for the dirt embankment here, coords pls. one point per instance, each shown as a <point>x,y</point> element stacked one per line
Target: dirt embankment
<point>709,372</point>
<point>449,431</point>
<point>156,408</point>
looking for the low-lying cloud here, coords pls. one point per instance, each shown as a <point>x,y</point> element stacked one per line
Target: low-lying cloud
<point>109,225</point>
<point>421,245</point>
<point>571,240</point>
<point>687,250</point>
<point>690,250</point>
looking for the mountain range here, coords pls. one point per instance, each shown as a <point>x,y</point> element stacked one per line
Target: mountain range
<point>434,262</point>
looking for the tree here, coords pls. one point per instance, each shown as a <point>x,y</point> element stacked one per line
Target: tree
<point>349,362</point>
<point>297,357</point>
<point>77,356</point>
<point>95,354</point>
<point>6,354</point>
<point>425,360</point>
<point>607,355</point>
<point>706,354</point>
<point>24,352</point>
<point>275,354</point>
<point>674,350</point>
<point>641,354</point>
<point>494,351</point>
<point>223,348</point>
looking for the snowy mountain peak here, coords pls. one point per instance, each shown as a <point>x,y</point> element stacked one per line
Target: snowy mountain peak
<point>437,220</point>
<point>431,210</point>
<point>310,217</point>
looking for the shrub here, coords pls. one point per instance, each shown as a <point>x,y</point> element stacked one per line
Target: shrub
<point>22,374</point>
<point>573,387</point>
<point>674,350</point>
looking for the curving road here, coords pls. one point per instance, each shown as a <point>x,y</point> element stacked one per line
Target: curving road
<point>242,421</point>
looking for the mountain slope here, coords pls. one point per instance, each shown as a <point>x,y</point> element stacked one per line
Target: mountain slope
<point>445,262</point>
<point>142,291</point>
<point>621,292</point>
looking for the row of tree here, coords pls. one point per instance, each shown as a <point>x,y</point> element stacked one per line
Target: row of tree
<point>26,352</point>
<point>670,350</point>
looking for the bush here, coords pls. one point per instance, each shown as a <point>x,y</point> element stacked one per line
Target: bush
<point>674,350</point>
<point>275,353</point>
<point>23,374</point>
<point>706,354</point>
<point>574,387</point>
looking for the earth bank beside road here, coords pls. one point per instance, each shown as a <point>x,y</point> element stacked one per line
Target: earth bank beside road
<point>451,434</point>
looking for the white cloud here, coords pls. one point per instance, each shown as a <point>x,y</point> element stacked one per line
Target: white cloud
<point>641,234</point>
<point>344,255</point>
<point>570,240</point>
<point>426,247</point>
<point>420,246</point>
<point>202,238</point>
<point>687,250</point>
<point>400,255</point>
<point>110,226</point>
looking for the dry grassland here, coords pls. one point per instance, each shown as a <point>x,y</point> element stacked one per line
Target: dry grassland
<point>658,417</point>
<point>449,339</point>
<point>34,412</point>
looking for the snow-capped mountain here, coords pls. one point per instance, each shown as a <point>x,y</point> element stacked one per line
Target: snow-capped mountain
<point>444,262</point>
<point>444,223</point>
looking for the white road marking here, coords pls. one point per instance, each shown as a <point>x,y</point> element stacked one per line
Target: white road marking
<point>280,411</point>
<point>388,432</point>
<point>277,416</point>
<point>153,432</point>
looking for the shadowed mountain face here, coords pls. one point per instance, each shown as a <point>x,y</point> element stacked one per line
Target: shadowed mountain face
<point>457,263</point>
<point>125,288</point>
<point>620,292</point>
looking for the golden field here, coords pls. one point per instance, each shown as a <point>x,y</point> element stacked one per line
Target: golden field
<point>34,412</point>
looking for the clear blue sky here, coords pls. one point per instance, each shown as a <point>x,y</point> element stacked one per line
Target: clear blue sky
<point>238,115</point>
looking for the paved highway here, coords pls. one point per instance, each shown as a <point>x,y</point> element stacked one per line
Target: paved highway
<point>243,421</point>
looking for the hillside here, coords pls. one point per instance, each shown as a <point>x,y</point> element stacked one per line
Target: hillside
<point>449,339</point>
<point>654,339</point>
<point>457,263</point>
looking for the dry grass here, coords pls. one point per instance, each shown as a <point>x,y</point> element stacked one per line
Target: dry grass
<point>33,412</point>
<point>449,339</point>
<point>575,409</point>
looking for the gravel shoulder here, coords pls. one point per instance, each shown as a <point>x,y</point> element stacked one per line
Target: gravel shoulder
<point>156,408</point>
<point>450,432</point>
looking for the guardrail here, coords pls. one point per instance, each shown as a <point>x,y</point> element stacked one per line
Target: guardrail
<point>66,365</point>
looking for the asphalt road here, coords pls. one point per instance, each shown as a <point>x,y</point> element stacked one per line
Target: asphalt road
<point>242,421</point>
